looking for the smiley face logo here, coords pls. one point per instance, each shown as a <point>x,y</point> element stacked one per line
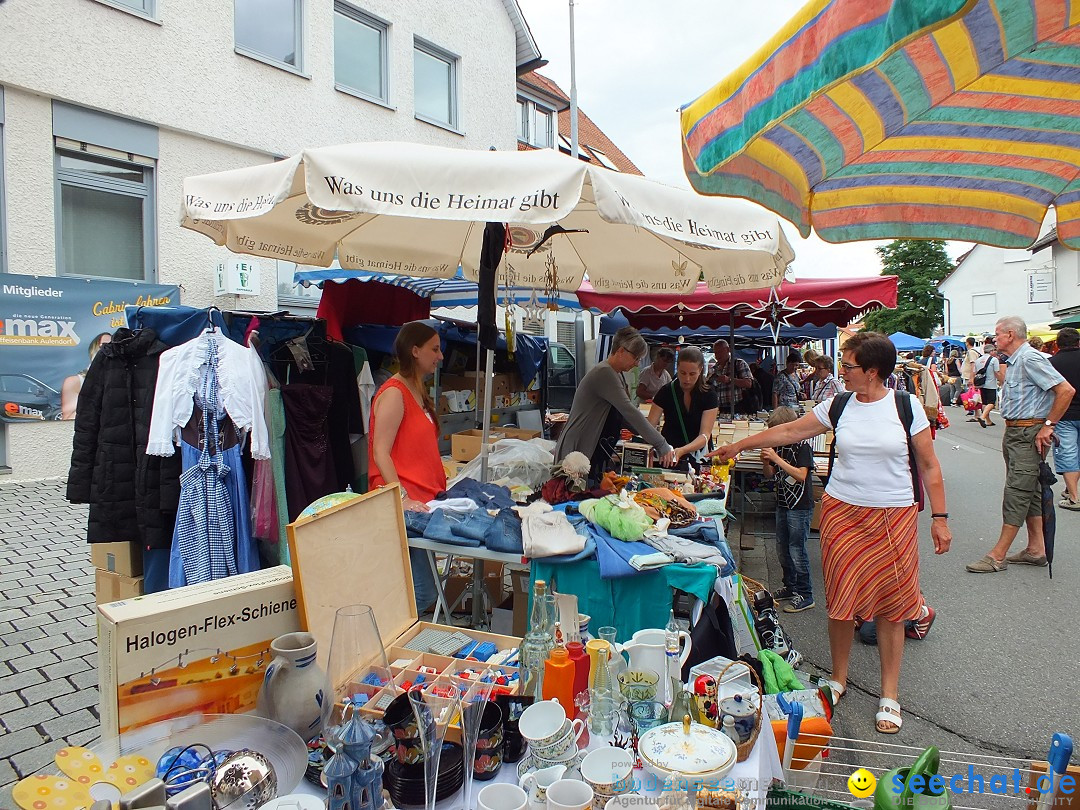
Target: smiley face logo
<point>861,783</point>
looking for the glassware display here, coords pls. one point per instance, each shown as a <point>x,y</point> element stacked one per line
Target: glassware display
<point>434,708</point>
<point>603,695</point>
<point>357,663</point>
<point>473,703</point>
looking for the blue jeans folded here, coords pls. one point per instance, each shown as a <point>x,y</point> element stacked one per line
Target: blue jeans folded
<point>504,534</point>
<point>441,529</point>
<point>416,523</point>
<point>487,495</point>
<point>471,525</point>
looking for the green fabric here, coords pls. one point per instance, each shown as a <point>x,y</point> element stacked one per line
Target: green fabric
<point>621,522</point>
<point>778,674</point>
<point>628,604</point>
<point>275,407</point>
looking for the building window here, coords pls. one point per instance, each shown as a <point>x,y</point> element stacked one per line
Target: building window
<point>105,216</point>
<point>435,85</point>
<point>984,304</point>
<point>604,160</point>
<point>144,8</point>
<point>536,124</point>
<point>360,53</point>
<point>270,30</point>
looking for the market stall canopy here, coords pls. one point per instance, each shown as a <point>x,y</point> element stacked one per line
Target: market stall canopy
<point>886,119</point>
<point>819,301</point>
<point>419,210</point>
<point>702,335</point>
<point>439,292</point>
<point>906,343</point>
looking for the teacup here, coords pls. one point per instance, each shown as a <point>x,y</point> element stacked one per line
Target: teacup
<point>638,684</point>
<point>536,783</point>
<point>542,723</point>
<point>608,771</point>
<point>502,796</point>
<point>569,794</point>
<point>565,741</point>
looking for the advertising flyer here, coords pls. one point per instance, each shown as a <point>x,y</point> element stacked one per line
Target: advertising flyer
<point>50,329</point>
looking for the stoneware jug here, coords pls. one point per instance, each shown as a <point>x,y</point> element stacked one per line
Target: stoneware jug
<point>295,688</point>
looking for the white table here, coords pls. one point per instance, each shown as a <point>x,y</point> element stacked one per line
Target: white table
<point>432,547</point>
<point>751,777</point>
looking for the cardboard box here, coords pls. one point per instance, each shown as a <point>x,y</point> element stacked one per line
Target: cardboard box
<point>456,584</point>
<point>200,648</point>
<point>465,445</point>
<point>109,586</point>
<point>358,551</point>
<point>119,558</point>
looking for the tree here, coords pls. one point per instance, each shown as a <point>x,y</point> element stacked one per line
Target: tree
<point>920,265</point>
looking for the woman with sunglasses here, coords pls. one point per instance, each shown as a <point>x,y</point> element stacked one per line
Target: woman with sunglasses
<point>869,547</point>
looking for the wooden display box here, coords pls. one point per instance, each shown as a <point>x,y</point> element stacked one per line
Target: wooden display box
<point>357,552</point>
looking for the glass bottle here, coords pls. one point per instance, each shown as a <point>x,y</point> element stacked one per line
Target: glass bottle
<point>671,658</point>
<point>537,642</point>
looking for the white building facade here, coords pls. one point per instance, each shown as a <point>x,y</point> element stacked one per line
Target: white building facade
<point>990,283</point>
<point>107,105</point>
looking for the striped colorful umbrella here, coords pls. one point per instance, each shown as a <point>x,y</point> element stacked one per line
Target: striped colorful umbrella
<point>884,119</point>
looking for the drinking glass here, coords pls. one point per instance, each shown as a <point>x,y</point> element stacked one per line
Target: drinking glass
<point>434,710</point>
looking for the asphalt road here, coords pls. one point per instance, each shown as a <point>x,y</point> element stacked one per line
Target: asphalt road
<point>998,671</point>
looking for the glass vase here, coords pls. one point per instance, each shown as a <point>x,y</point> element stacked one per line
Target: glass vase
<point>357,662</point>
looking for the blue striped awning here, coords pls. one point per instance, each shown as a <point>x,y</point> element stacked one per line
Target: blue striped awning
<point>442,292</point>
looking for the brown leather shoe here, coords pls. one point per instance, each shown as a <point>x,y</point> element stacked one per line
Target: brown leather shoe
<point>1025,557</point>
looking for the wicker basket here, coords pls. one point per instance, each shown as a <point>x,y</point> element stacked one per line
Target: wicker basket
<point>743,749</point>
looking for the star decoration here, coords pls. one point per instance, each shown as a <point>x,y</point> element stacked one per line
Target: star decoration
<point>774,313</point>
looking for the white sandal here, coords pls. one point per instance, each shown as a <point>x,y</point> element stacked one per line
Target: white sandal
<point>888,712</point>
<point>838,690</point>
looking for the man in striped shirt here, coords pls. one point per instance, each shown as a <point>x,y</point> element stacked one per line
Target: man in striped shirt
<point>1033,399</point>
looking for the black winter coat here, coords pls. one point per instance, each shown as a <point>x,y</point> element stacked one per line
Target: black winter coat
<point>133,497</point>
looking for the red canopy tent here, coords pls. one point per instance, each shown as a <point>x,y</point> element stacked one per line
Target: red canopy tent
<point>823,301</point>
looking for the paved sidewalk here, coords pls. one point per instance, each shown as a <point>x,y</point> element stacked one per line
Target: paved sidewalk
<point>48,632</point>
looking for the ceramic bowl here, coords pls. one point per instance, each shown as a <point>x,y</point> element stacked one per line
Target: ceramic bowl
<point>695,751</point>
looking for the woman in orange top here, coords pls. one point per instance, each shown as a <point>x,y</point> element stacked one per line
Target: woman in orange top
<point>403,442</point>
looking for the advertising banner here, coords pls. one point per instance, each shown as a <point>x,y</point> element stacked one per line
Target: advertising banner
<point>50,329</point>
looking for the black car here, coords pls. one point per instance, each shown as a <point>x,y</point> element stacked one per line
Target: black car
<point>27,399</point>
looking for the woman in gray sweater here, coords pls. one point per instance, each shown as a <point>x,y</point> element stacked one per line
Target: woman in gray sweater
<point>602,406</point>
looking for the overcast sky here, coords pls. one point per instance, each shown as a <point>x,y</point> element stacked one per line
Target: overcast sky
<point>638,61</point>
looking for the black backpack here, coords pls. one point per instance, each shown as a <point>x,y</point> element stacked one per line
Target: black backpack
<point>980,374</point>
<point>907,417</point>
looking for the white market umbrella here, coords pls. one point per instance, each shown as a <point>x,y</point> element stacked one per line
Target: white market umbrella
<point>418,210</point>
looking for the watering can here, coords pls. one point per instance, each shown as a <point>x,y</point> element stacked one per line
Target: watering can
<point>889,796</point>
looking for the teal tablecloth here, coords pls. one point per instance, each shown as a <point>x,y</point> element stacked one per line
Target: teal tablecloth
<point>628,603</point>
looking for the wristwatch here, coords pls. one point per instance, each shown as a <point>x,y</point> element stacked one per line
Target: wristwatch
<point>1049,423</point>
<point>404,492</point>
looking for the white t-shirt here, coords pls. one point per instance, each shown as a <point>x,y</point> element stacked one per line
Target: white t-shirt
<point>871,467</point>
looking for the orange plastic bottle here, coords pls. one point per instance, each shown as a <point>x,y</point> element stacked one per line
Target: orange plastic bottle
<point>559,679</point>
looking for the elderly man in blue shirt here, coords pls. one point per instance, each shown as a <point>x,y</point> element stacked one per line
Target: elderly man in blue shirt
<point>1033,399</point>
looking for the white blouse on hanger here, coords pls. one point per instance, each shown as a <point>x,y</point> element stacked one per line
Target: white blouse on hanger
<point>242,389</point>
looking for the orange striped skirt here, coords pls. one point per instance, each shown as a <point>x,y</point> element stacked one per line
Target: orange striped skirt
<point>870,557</point>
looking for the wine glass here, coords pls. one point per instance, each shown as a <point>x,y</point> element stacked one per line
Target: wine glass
<point>356,653</point>
<point>435,709</point>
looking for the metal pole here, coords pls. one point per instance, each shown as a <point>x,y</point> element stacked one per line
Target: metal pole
<point>489,375</point>
<point>573,89</point>
<point>731,360</point>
